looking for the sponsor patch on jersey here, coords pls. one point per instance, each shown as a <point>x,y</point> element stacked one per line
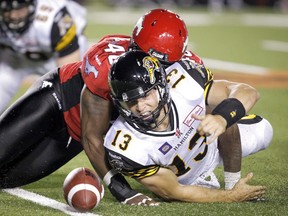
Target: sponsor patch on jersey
<point>116,161</point>
<point>139,26</point>
<point>189,119</point>
<point>165,148</point>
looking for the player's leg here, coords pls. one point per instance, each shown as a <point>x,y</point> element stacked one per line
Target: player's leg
<point>26,122</point>
<point>29,120</point>
<point>256,134</point>
<point>229,145</point>
<point>38,161</point>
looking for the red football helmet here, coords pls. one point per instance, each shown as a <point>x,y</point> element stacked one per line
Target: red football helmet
<point>162,34</point>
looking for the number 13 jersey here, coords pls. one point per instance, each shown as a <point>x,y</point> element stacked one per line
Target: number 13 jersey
<point>181,149</point>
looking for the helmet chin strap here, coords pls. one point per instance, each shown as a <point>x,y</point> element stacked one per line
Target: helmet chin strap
<point>154,120</point>
<point>156,113</point>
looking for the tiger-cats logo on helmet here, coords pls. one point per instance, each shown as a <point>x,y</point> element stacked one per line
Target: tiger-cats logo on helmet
<point>151,65</point>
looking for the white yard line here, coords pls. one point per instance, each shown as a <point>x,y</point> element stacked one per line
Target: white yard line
<point>275,45</point>
<point>199,19</point>
<point>234,67</point>
<point>265,20</point>
<point>45,201</point>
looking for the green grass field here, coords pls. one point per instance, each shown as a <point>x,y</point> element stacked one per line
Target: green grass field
<point>225,37</point>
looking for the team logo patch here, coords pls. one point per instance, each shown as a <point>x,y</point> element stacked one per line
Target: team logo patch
<point>64,24</point>
<point>165,148</point>
<point>138,27</point>
<point>90,68</point>
<point>151,65</point>
<point>46,84</point>
<point>189,119</point>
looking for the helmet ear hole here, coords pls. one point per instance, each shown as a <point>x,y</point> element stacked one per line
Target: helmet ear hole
<point>167,40</point>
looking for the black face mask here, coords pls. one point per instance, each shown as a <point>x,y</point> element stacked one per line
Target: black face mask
<point>17,26</point>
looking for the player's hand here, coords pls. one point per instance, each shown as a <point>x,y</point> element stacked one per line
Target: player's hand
<point>140,200</point>
<point>245,192</point>
<point>211,126</point>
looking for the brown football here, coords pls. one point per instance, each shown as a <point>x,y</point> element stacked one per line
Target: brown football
<point>83,189</point>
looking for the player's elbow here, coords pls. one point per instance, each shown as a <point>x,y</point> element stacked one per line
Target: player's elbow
<point>248,95</point>
<point>256,94</point>
<point>253,93</point>
<point>92,145</point>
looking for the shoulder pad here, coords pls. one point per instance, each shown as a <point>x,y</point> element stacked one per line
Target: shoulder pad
<point>188,55</point>
<point>197,71</point>
<point>97,63</point>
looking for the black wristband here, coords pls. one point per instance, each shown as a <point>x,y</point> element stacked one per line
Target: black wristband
<point>120,188</point>
<point>231,109</point>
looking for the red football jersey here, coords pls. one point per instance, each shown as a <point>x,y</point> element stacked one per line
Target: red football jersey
<point>71,87</point>
<point>98,60</point>
<point>94,70</point>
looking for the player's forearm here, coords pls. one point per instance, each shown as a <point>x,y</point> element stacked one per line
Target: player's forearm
<point>194,194</point>
<point>246,94</point>
<point>200,194</point>
<point>164,183</point>
<point>95,116</point>
<point>95,153</point>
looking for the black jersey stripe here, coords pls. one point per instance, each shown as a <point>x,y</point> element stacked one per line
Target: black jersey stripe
<point>71,91</point>
<point>250,119</point>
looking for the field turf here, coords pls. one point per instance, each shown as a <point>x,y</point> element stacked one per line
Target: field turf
<point>228,37</point>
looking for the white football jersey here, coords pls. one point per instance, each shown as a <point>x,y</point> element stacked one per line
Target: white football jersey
<point>35,46</point>
<point>182,149</point>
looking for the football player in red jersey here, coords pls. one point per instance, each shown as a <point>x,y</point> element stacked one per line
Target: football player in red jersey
<point>41,131</point>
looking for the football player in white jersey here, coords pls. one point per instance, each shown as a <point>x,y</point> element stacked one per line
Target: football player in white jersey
<point>35,37</point>
<point>163,137</point>
<point>163,34</point>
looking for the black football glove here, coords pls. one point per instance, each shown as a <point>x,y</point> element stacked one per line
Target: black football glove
<point>122,191</point>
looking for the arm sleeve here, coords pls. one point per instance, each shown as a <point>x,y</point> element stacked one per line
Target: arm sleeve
<point>63,35</point>
<point>129,167</point>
